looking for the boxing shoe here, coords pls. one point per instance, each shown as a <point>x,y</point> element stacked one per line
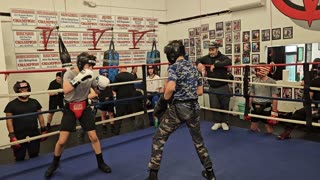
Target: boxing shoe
<point>285,134</point>
<point>104,167</point>
<point>51,169</point>
<point>153,175</point>
<point>209,174</point>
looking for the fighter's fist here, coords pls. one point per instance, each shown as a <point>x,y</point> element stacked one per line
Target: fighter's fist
<point>83,75</point>
<point>101,82</point>
<point>274,113</point>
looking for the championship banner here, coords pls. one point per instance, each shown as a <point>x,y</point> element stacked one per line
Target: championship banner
<point>23,17</point>
<point>88,20</point>
<point>123,22</point>
<point>139,57</point>
<point>50,60</point>
<point>71,39</point>
<point>87,39</point>
<point>53,41</point>
<point>123,39</point>
<point>150,37</point>
<point>47,18</point>
<point>69,20</point>
<point>152,23</point>
<point>73,56</point>
<point>27,61</point>
<point>106,21</point>
<point>25,39</point>
<point>138,23</point>
<point>106,38</point>
<point>125,57</point>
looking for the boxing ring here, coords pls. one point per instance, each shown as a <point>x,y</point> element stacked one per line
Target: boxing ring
<point>237,154</point>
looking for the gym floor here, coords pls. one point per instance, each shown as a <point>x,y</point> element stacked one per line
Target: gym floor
<point>310,134</point>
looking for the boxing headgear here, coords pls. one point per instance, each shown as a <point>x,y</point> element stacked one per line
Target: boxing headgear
<point>262,71</point>
<point>85,58</point>
<point>103,72</point>
<point>101,82</point>
<point>173,50</point>
<point>22,84</point>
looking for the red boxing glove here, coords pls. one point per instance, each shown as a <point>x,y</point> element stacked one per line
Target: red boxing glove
<point>43,131</point>
<point>14,139</point>
<point>247,118</point>
<point>274,113</point>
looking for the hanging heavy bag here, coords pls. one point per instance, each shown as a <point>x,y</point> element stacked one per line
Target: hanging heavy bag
<point>64,54</point>
<point>153,57</point>
<point>111,58</point>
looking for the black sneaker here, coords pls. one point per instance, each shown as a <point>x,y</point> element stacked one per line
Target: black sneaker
<point>51,169</point>
<point>209,175</point>
<point>104,167</point>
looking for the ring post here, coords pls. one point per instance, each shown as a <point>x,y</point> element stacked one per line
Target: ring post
<point>246,89</point>
<point>306,94</point>
<point>144,88</point>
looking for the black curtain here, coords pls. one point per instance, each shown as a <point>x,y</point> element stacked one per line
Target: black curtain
<point>278,56</point>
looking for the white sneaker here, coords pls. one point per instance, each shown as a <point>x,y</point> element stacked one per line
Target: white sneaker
<point>216,126</point>
<point>225,126</point>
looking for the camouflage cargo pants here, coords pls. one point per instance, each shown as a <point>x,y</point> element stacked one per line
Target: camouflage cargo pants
<point>175,116</point>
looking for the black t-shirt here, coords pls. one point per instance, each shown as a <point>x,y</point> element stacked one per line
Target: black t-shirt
<point>55,98</point>
<point>106,94</point>
<point>127,90</point>
<point>27,125</point>
<point>315,83</point>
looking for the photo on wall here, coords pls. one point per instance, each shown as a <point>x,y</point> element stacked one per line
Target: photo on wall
<point>228,38</point>
<point>245,36</point>
<point>198,31</point>
<point>204,28</point>
<point>192,42</point>
<point>237,71</point>
<point>219,34</point>
<point>206,44</point>
<point>287,93</point>
<point>236,25</point>
<point>212,34</point>
<point>186,42</point>
<point>219,26</point>
<point>228,26</point>
<point>237,48</point>
<point>255,58</point>
<point>298,93</point>
<point>279,92</point>
<point>220,42</point>
<point>287,32</point>
<point>205,36</point>
<point>255,35</point>
<point>246,47</point>
<point>276,34</point>
<point>265,35</point>
<point>246,58</point>
<point>192,51</point>
<point>236,36</point>
<point>228,49</point>
<point>255,46</point>
<point>192,32</point>
<point>237,59</point>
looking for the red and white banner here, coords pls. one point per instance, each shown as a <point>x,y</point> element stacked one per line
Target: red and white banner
<point>28,61</point>
<point>123,39</point>
<point>23,17</point>
<point>151,23</point>
<point>105,40</point>
<point>69,20</point>
<point>106,21</point>
<point>139,57</point>
<point>47,18</point>
<point>88,20</point>
<point>53,40</point>
<point>87,39</point>
<point>50,60</point>
<point>125,57</point>
<point>138,23</point>
<point>73,56</point>
<point>150,37</point>
<point>71,39</point>
<point>123,22</point>
<point>25,39</point>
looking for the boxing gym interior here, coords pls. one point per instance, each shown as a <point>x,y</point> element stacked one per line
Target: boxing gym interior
<point>263,125</point>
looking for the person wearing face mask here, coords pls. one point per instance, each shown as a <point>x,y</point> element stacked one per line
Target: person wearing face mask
<point>22,127</point>
<point>214,66</point>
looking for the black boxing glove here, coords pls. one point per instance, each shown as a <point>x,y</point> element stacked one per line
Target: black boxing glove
<point>161,107</point>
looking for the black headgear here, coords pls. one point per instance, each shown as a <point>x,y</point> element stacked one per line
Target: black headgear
<point>21,84</point>
<point>85,58</point>
<point>173,50</point>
